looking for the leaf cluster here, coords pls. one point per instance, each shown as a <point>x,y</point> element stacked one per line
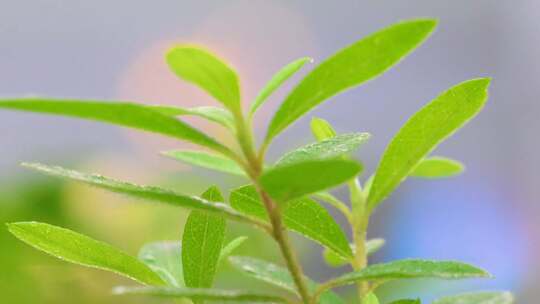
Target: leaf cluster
<point>287,195</point>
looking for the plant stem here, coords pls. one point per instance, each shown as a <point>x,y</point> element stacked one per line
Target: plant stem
<point>281,237</point>
<point>360,257</point>
<point>279,233</point>
<point>359,232</point>
<point>245,140</point>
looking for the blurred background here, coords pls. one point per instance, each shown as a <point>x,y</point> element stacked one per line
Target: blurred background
<point>114,50</point>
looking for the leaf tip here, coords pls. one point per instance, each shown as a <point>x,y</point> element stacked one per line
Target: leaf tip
<point>429,23</point>
<point>10,226</point>
<point>15,227</point>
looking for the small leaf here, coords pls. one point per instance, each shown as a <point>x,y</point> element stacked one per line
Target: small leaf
<point>201,244</point>
<point>322,129</point>
<point>165,259</point>
<point>334,147</point>
<point>437,167</point>
<point>214,114</point>
<point>407,301</point>
<point>206,160</point>
<point>208,72</point>
<point>147,192</point>
<point>493,297</point>
<point>303,215</point>
<point>119,113</point>
<point>374,245</point>
<point>335,260</point>
<point>285,183</point>
<point>231,247</point>
<point>277,80</point>
<point>277,276</point>
<point>76,248</point>
<point>411,269</point>
<point>423,132</point>
<point>200,294</point>
<point>370,298</point>
<point>350,67</point>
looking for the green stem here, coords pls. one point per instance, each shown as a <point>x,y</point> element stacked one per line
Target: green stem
<point>336,203</point>
<point>255,165</point>
<point>281,237</point>
<point>359,232</point>
<point>245,140</point>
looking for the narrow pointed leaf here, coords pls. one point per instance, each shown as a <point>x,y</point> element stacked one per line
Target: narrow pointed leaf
<point>277,80</point>
<point>411,269</point>
<point>214,114</point>
<point>201,244</point>
<point>277,276</point>
<point>200,294</point>
<point>374,245</point>
<point>322,129</point>
<point>350,67</point>
<point>335,260</point>
<point>437,167</point>
<point>208,72</point>
<point>423,132</point>
<point>285,183</point>
<point>129,115</point>
<point>147,193</point>
<point>76,248</point>
<point>206,160</point>
<point>493,297</point>
<point>231,247</point>
<point>334,147</point>
<point>165,259</point>
<point>303,216</point>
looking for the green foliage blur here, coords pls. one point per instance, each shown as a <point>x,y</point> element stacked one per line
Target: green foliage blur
<point>29,276</point>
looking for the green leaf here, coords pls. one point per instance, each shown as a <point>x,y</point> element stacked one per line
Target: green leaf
<point>200,294</point>
<point>494,297</point>
<point>374,245</point>
<point>285,183</point>
<point>335,260</point>
<point>76,248</point>
<point>437,167</point>
<point>350,67</point>
<point>370,298</point>
<point>334,147</point>
<point>277,80</point>
<point>165,259</point>
<point>277,276</point>
<point>407,301</point>
<point>322,129</point>
<point>208,72</point>
<point>147,192</point>
<point>214,114</point>
<point>119,113</point>
<point>410,269</point>
<point>423,132</point>
<point>201,244</point>
<point>231,247</point>
<point>206,160</point>
<point>303,215</point>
